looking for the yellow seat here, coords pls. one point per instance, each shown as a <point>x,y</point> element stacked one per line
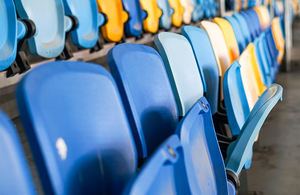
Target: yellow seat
<point>264,16</point>
<point>278,37</point>
<point>188,10</point>
<point>230,39</point>
<point>151,23</point>
<point>177,17</point>
<point>220,49</point>
<point>114,28</point>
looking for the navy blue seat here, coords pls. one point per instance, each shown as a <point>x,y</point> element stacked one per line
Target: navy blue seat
<point>77,128</point>
<point>134,25</point>
<point>146,93</point>
<point>15,176</point>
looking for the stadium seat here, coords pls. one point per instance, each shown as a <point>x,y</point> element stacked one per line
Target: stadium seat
<point>89,21</point>
<point>11,31</point>
<point>163,173</point>
<point>77,128</point>
<point>151,23</point>
<point>237,32</point>
<point>113,30</point>
<point>188,10</point>
<point>243,121</point>
<point>219,46</point>
<point>15,174</point>
<point>244,27</point>
<point>207,61</point>
<point>198,10</point>
<point>263,15</point>
<point>165,21</point>
<point>206,8</point>
<point>230,39</point>
<point>146,94</point>
<point>182,70</point>
<point>250,23</point>
<point>177,17</point>
<point>134,25</point>
<point>51,25</point>
<point>278,38</point>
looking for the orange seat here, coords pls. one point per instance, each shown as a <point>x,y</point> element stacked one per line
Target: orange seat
<point>177,17</point>
<point>151,23</point>
<point>113,30</point>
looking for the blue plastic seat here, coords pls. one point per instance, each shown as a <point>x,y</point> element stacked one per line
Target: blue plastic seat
<point>165,21</point>
<point>134,25</point>
<point>206,7</point>
<point>273,50</point>
<point>198,10</point>
<point>15,175</point>
<point>242,122</point>
<point>146,93</point>
<point>89,20</point>
<point>250,23</point>
<point>255,21</point>
<point>186,77</point>
<point>164,173</point>
<point>243,27</point>
<point>206,59</point>
<point>51,25</point>
<point>204,163</point>
<point>237,32</point>
<point>10,32</point>
<point>77,128</point>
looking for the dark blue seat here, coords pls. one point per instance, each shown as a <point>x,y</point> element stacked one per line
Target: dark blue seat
<point>77,128</point>
<point>243,27</point>
<point>273,50</point>
<point>250,24</point>
<point>146,93</point>
<point>237,32</point>
<point>89,21</point>
<point>134,25</point>
<point>15,176</point>
<point>206,60</point>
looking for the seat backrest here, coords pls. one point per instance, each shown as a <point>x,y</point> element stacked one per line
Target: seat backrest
<point>237,32</point>
<point>163,173</point>
<point>198,10</point>
<point>177,17</point>
<point>11,30</point>
<point>244,27</point>
<point>14,169</point>
<point>182,69</point>
<point>134,25</point>
<point>51,25</point>
<point>151,23</point>
<point>188,10</point>
<point>272,45</point>
<point>248,76</point>
<point>113,30</point>
<point>263,15</point>
<point>206,61</point>
<point>206,6</point>
<point>77,128</point>
<point>229,36</point>
<point>250,24</point>
<point>146,93</point>
<point>165,21</point>
<point>201,151</point>
<point>256,21</point>
<point>219,46</point>
<point>89,20</point>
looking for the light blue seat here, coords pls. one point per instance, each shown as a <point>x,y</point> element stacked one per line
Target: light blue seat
<point>146,93</point>
<point>134,25</point>
<point>51,25</point>
<point>15,175</point>
<point>183,72</point>
<point>165,21</point>
<point>10,32</point>
<point>164,173</point>
<point>89,20</point>
<point>77,128</point>
<point>206,61</point>
<point>243,27</point>
<point>237,32</point>
<point>204,163</point>
<point>198,12</point>
<point>242,122</point>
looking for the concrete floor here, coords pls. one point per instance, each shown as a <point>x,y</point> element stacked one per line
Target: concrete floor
<point>276,163</point>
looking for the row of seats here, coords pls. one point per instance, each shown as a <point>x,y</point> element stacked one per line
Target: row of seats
<point>44,24</point>
<point>152,126</point>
